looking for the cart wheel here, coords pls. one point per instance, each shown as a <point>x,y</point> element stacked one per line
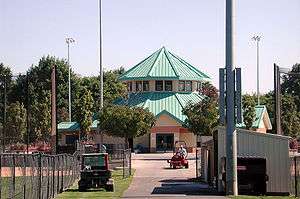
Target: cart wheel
<point>81,186</point>
<point>109,187</point>
<point>170,165</point>
<point>174,167</point>
<point>186,166</point>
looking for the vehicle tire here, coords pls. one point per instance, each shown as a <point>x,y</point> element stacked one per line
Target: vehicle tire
<point>170,165</point>
<point>109,187</point>
<point>186,166</point>
<point>174,167</point>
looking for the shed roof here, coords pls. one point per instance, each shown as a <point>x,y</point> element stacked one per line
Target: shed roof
<point>163,64</point>
<point>170,103</point>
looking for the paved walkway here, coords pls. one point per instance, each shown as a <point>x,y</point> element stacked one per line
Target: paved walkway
<point>154,179</point>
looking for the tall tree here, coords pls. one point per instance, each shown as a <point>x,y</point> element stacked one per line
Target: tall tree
<point>123,121</point>
<point>83,111</point>
<point>248,104</point>
<point>209,90</point>
<point>16,123</point>
<point>202,117</point>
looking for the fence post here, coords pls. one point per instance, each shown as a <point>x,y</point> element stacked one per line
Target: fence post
<point>197,163</point>
<point>295,167</point>
<point>0,175</point>
<point>130,162</point>
<point>62,175</point>
<point>123,163</point>
<point>25,176</point>
<point>53,175</point>
<point>40,176</point>
<point>14,176</point>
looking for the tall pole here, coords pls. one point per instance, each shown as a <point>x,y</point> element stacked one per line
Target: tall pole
<point>4,115</point>
<point>28,113</point>
<point>257,39</point>
<point>68,41</point>
<point>231,158</point>
<point>70,106</point>
<point>100,54</point>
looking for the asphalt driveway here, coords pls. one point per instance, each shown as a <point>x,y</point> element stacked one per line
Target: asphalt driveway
<point>154,179</point>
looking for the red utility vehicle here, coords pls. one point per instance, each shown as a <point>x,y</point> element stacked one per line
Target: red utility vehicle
<point>179,160</point>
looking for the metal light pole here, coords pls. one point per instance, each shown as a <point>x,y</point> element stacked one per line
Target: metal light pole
<point>100,54</point>
<point>257,39</point>
<point>231,150</point>
<point>69,40</point>
<point>4,115</point>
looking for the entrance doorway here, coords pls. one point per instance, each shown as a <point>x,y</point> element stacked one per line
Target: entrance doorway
<point>164,142</point>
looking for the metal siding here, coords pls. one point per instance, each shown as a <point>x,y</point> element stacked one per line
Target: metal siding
<point>274,148</point>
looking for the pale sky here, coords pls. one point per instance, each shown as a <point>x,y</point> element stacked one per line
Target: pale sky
<point>132,29</point>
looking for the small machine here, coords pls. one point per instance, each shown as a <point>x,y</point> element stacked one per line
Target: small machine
<point>179,158</point>
<point>95,172</point>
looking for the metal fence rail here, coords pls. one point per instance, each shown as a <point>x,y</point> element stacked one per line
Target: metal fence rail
<point>198,162</point>
<point>36,175</point>
<point>120,159</point>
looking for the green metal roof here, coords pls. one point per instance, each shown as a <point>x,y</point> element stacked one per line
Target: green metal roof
<point>260,110</point>
<point>68,126</point>
<point>163,64</point>
<point>170,103</point>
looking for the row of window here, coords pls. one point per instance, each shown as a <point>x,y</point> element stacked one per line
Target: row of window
<point>161,85</point>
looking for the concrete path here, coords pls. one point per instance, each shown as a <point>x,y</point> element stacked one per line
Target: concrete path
<point>154,179</point>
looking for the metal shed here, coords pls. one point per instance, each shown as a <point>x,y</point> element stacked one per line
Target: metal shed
<point>274,148</point>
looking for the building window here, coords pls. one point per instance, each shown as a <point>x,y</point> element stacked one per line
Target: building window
<point>199,86</point>
<point>145,85</point>
<point>138,86</point>
<point>181,86</point>
<point>71,139</point>
<point>159,85</point>
<point>188,86</point>
<point>168,86</point>
<point>129,86</point>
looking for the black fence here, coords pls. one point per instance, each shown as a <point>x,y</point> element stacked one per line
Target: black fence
<point>198,162</point>
<point>36,175</point>
<point>120,159</point>
<point>295,176</point>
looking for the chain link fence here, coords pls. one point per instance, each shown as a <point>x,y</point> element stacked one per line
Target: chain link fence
<point>120,159</point>
<point>295,175</point>
<point>36,175</point>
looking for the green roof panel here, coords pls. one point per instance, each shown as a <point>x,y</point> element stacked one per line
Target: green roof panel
<point>158,103</point>
<point>163,64</point>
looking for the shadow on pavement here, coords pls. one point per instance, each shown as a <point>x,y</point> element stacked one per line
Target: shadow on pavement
<point>185,187</point>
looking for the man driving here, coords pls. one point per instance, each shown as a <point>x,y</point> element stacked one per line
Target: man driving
<point>182,151</point>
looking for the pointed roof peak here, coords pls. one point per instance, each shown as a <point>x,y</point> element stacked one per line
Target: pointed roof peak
<point>163,64</point>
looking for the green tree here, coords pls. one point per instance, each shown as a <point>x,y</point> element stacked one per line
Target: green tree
<point>209,90</point>
<point>5,76</point>
<point>83,111</point>
<point>290,123</point>
<point>202,117</point>
<point>16,122</point>
<point>291,85</point>
<point>248,104</point>
<point>123,121</point>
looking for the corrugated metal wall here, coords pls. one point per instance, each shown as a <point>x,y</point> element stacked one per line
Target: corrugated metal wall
<point>274,148</point>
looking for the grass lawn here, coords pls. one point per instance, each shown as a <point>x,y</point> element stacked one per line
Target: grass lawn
<point>262,197</point>
<point>120,186</point>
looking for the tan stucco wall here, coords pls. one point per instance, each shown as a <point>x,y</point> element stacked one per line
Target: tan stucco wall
<point>189,138</point>
<point>165,120</point>
<point>108,139</point>
<point>142,140</point>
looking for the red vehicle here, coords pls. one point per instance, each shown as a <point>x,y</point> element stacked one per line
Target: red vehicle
<point>179,158</point>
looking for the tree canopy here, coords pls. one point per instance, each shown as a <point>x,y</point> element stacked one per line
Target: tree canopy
<point>124,121</point>
<point>203,117</point>
<point>248,104</point>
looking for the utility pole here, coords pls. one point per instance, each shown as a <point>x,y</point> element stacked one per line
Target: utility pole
<point>101,69</point>
<point>28,113</point>
<point>100,54</point>
<point>68,41</point>
<point>4,115</point>
<point>231,150</point>
<point>257,39</point>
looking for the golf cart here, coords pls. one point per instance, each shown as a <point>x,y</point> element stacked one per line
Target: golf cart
<point>179,159</point>
<point>95,172</point>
